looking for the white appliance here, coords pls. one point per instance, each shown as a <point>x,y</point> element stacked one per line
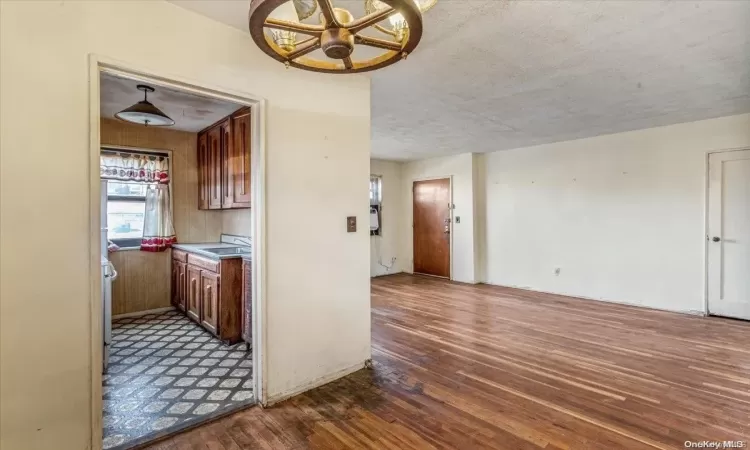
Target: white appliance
<point>103,217</point>
<point>108,276</point>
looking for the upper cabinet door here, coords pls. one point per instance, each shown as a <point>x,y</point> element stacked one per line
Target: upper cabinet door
<point>203,183</point>
<point>214,168</point>
<point>224,163</point>
<point>240,159</point>
<point>227,198</point>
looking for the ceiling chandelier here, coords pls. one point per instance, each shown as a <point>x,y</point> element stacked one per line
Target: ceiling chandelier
<point>290,32</point>
<point>145,113</point>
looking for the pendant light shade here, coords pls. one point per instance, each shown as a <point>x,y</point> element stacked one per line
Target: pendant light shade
<point>144,112</point>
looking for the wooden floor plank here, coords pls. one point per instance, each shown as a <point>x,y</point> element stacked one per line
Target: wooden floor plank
<point>487,367</point>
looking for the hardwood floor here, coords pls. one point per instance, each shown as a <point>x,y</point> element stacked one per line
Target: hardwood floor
<point>473,367</point>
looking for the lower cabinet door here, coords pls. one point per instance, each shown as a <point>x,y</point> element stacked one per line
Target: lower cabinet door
<point>175,283</point>
<point>247,301</point>
<point>210,301</point>
<point>180,288</point>
<point>194,293</point>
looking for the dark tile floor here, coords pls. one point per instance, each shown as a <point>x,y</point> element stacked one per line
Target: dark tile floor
<point>167,373</point>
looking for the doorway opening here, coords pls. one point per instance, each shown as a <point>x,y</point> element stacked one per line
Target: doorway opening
<point>728,234</point>
<point>179,223</point>
<point>432,216</point>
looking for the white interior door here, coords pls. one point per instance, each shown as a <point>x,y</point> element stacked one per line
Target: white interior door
<point>729,234</point>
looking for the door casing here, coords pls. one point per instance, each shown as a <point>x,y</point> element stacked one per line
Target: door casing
<point>97,65</point>
<point>706,237</point>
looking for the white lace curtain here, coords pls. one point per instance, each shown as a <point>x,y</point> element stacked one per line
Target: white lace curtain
<point>134,167</point>
<point>158,231</point>
<point>153,170</point>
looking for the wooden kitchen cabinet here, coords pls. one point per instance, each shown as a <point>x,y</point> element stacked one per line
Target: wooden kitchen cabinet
<point>247,300</point>
<point>179,277</point>
<point>227,196</point>
<point>240,159</point>
<point>193,309</point>
<point>203,171</point>
<point>212,167</point>
<point>210,301</point>
<point>211,291</point>
<point>224,163</point>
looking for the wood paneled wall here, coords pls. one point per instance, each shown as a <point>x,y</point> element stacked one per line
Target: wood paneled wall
<point>142,282</point>
<point>237,222</point>
<point>144,278</point>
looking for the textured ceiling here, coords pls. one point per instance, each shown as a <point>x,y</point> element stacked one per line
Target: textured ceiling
<point>190,112</point>
<point>499,74</point>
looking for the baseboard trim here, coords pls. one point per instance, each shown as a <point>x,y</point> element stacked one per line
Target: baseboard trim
<point>386,274</point>
<point>691,312</point>
<point>273,399</point>
<point>417,274</point>
<point>143,313</point>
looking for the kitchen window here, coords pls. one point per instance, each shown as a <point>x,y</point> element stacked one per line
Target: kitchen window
<point>126,206</point>
<point>136,201</point>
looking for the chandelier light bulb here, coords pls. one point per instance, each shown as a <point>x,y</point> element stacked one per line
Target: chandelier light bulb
<point>286,40</point>
<point>397,20</point>
<point>399,25</point>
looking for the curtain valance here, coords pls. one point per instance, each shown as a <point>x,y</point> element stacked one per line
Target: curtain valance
<point>134,167</point>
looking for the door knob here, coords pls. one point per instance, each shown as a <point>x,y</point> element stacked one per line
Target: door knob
<point>716,239</point>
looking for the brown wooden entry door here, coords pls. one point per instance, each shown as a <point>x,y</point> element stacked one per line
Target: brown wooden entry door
<point>432,220</point>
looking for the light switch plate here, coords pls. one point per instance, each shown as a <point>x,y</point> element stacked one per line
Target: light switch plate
<point>458,219</point>
<point>351,224</point>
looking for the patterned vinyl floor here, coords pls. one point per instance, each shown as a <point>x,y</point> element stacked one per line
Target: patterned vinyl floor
<point>167,373</point>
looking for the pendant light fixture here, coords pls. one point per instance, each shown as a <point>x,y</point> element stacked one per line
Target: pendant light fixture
<point>289,32</point>
<point>144,113</point>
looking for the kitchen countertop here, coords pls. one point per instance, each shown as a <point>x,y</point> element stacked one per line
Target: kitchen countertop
<point>199,250</point>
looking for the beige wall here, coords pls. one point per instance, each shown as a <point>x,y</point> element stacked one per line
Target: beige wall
<point>387,246</point>
<point>237,222</point>
<point>143,281</point>
<point>318,141</point>
<point>460,168</point>
<point>621,216</point>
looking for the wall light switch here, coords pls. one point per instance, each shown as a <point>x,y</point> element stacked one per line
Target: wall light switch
<point>351,224</point>
<point>458,219</point>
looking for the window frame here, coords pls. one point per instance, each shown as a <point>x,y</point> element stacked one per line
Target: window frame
<point>125,243</point>
<point>135,243</point>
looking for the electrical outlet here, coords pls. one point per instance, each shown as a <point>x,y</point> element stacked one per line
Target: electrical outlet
<point>557,271</point>
<point>351,224</point>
